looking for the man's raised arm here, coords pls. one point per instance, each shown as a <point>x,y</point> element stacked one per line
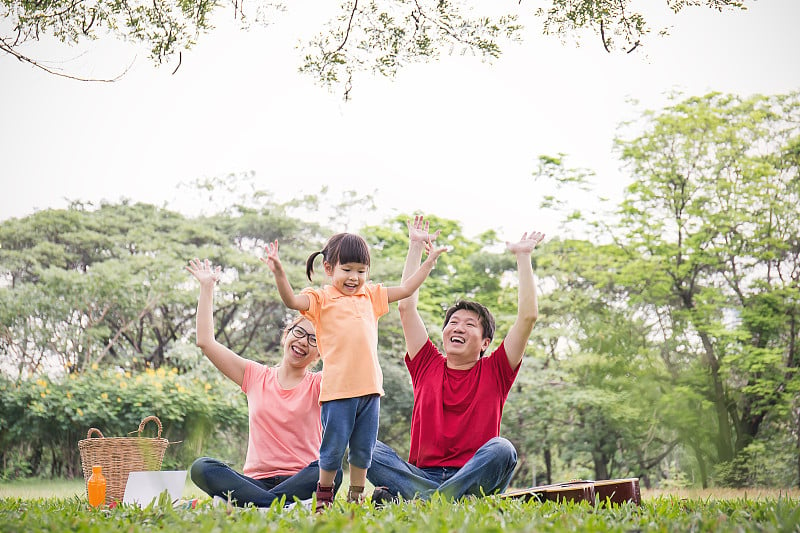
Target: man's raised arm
<point>414,330</point>
<point>528,303</point>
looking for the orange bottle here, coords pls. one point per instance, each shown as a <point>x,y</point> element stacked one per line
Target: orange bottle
<point>96,487</point>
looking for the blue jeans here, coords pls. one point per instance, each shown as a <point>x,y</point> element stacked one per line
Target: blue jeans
<point>488,472</point>
<point>353,423</point>
<point>215,478</point>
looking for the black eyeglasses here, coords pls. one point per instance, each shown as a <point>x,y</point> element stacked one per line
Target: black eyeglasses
<point>299,332</point>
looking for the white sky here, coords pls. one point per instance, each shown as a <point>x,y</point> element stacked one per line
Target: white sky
<point>457,138</point>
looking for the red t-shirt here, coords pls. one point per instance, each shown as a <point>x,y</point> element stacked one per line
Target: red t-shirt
<point>456,411</point>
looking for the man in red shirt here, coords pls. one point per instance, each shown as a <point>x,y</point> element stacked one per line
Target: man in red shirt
<point>459,396</point>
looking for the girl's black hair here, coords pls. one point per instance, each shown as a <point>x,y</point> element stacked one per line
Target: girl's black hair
<point>341,248</point>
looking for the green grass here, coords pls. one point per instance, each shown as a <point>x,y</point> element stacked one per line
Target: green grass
<point>767,512</point>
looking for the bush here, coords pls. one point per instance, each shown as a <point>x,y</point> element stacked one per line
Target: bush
<point>42,419</point>
<point>760,464</point>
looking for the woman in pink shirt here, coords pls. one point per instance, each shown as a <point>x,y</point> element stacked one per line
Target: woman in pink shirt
<point>284,412</point>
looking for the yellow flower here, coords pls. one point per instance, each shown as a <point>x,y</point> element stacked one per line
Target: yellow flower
<point>95,366</point>
<point>119,400</point>
<point>69,395</point>
<point>174,370</point>
<point>104,396</point>
<point>207,386</point>
<point>80,412</point>
<point>127,374</point>
<point>41,382</point>
<point>42,394</point>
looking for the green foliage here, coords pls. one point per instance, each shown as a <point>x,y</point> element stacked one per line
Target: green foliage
<point>619,25</point>
<point>42,419</point>
<point>378,36</point>
<point>768,461</point>
<point>112,286</point>
<point>709,222</point>
<point>167,27</point>
<point>694,302</point>
<point>382,36</point>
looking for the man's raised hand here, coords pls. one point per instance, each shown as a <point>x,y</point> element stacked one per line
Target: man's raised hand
<point>526,244</point>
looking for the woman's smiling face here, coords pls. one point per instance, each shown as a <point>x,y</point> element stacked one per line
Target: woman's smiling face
<point>300,344</point>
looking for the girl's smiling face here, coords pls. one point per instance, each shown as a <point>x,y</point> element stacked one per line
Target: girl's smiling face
<point>347,277</point>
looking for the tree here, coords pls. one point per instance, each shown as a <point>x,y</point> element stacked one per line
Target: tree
<point>379,36</point>
<point>710,229</point>
<point>84,285</point>
<point>587,403</point>
<point>695,300</point>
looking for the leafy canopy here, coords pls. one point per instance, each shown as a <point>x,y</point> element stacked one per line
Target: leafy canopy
<point>379,36</point>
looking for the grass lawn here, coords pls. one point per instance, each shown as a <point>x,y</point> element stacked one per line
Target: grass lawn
<point>45,505</point>
<point>28,489</point>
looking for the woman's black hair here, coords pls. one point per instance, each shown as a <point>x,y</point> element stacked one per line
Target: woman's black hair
<point>341,248</point>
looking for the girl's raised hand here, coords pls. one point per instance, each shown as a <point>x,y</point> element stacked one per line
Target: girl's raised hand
<point>434,253</point>
<point>271,257</point>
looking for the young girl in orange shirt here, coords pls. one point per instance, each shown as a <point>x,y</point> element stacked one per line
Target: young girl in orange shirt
<point>345,315</point>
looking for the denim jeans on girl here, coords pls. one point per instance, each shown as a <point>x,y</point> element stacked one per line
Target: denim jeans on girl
<point>349,423</point>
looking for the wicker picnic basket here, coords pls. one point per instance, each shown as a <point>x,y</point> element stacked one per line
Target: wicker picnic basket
<point>119,456</point>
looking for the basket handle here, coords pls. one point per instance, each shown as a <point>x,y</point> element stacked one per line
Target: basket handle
<point>148,419</point>
<point>94,430</point>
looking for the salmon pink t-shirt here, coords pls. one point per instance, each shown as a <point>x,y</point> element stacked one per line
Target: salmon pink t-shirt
<point>285,426</point>
<point>456,411</point>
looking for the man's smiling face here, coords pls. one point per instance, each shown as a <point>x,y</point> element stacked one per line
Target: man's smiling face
<point>462,336</point>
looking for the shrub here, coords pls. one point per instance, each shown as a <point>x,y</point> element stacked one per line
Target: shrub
<point>42,419</point>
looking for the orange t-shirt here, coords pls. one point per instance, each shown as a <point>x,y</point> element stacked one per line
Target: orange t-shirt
<point>347,338</point>
<point>285,426</point>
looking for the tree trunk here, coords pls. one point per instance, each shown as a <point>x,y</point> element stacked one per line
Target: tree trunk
<point>797,426</point>
<point>548,464</point>
<point>600,465</point>
<point>35,459</point>
<point>724,436</point>
<point>701,464</point>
